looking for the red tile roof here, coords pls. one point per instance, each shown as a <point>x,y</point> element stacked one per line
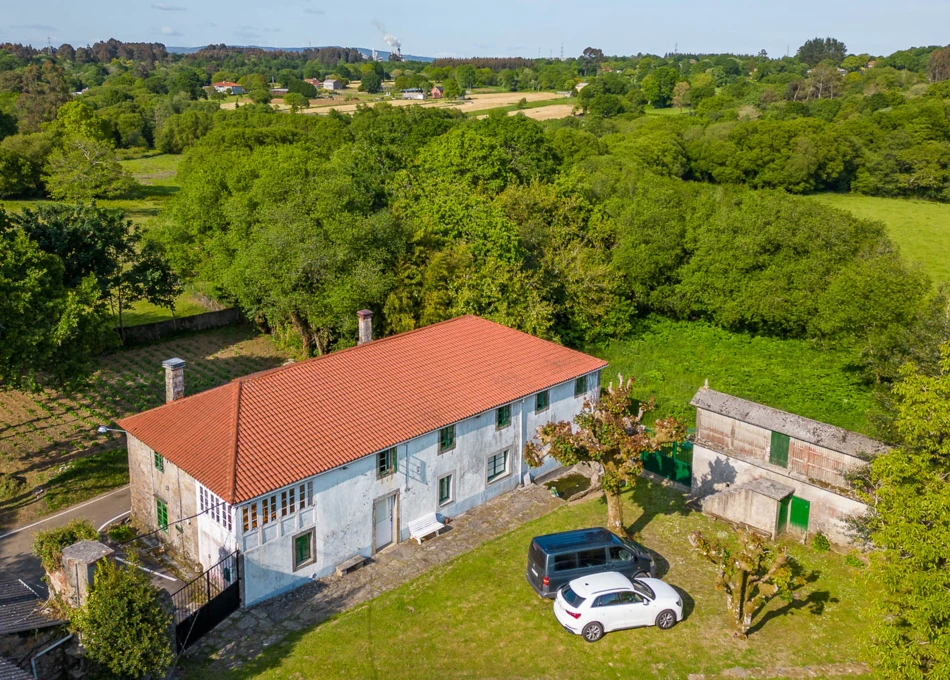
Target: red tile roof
<point>270,429</point>
<point>225,83</point>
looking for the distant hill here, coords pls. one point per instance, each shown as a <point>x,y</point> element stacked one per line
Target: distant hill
<point>362,50</point>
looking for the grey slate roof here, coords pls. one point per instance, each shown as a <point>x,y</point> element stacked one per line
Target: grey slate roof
<point>768,488</point>
<point>9,671</point>
<point>803,429</point>
<point>22,608</point>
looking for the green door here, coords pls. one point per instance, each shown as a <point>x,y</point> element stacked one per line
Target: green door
<point>778,451</point>
<point>798,514</point>
<point>783,514</point>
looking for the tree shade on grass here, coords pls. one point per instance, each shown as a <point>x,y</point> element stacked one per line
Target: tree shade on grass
<point>477,617</point>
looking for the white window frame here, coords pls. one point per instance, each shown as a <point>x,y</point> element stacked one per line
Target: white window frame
<point>506,452</point>
<point>438,490</point>
<point>313,549</point>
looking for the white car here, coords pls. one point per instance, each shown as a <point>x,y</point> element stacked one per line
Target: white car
<point>593,605</point>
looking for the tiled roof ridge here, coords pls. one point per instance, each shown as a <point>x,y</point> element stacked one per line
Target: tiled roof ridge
<point>375,343</point>
<point>235,433</point>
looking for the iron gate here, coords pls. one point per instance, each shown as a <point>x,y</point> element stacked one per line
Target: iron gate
<point>672,461</point>
<point>207,601</point>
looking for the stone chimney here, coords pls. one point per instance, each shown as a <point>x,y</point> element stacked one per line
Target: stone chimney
<point>174,379</point>
<point>366,326</point>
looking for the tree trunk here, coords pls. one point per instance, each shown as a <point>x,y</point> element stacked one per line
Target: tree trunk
<point>615,513</point>
<point>306,339</point>
<point>743,615</point>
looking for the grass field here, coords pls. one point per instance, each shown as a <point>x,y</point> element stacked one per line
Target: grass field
<point>477,617</point>
<point>920,228</point>
<point>49,439</point>
<point>671,359</point>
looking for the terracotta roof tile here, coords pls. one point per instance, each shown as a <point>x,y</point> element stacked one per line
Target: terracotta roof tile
<point>271,429</point>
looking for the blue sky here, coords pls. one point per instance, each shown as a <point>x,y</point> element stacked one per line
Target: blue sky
<point>490,27</point>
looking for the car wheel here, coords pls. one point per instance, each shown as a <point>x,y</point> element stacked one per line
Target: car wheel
<point>666,619</point>
<point>593,632</point>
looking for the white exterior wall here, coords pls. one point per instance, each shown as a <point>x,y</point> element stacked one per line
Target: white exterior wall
<point>714,471</point>
<point>215,541</point>
<point>342,511</point>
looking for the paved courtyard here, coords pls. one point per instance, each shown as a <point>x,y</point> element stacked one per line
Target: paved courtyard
<point>247,633</point>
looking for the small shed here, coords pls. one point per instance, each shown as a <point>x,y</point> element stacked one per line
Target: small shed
<point>414,93</point>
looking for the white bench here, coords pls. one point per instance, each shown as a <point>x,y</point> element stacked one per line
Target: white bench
<point>424,526</point>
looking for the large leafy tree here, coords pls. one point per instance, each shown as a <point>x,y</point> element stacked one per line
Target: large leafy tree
<point>608,431</point>
<point>816,50</point>
<point>909,492</point>
<point>50,327</point>
<point>86,168</point>
<point>99,243</point>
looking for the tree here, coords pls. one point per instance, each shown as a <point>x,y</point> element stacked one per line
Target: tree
<point>465,76</point>
<point>16,174</point>
<point>751,574</point>
<point>79,120</point>
<point>938,67</point>
<point>452,90</point>
<point>48,331</point>
<point>44,91</point>
<point>124,625</point>
<point>658,86</point>
<point>681,95</point>
<point>100,243</point>
<point>590,60</point>
<point>370,82</point>
<point>608,431</point>
<point>296,101</point>
<point>909,521</point>
<point>816,50</point>
<point>84,169</point>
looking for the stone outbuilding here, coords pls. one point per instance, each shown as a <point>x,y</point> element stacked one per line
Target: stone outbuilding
<point>775,471</point>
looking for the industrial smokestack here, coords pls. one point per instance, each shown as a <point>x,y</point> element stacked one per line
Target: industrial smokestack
<point>366,326</point>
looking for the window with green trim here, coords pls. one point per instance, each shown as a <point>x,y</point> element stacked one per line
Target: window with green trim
<point>303,549</point>
<point>541,401</point>
<point>385,463</point>
<point>159,461</point>
<point>503,417</point>
<point>447,439</point>
<point>161,512</point>
<point>497,465</point>
<point>445,490</point>
<point>580,386</point>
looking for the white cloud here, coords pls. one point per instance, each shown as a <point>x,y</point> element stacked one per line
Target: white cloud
<point>168,30</point>
<point>165,7</point>
<point>313,10</point>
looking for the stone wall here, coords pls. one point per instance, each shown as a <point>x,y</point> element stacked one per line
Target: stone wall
<point>176,488</point>
<point>151,332</point>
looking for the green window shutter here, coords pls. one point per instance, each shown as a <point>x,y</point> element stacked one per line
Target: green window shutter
<point>159,461</point>
<point>778,450</point>
<point>580,386</point>
<point>447,438</point>
<point>541,401</point>
<point>302,549</point>
<point>503,417</point>
<point>161,512</point>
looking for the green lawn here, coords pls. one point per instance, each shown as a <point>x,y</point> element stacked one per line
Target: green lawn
<point>920,228</point>
<point>87,477</point>
<point>477,617</point>
<point>671,359</point>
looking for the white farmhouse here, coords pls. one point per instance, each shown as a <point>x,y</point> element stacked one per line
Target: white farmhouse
<point>305,466</point>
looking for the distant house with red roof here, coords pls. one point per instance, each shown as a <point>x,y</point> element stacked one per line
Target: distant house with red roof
<point>227,87</point>
<point>305,466</point>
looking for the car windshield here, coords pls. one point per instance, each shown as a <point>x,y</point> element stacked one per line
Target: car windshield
<point>572,598</point>
<point>643,589</point>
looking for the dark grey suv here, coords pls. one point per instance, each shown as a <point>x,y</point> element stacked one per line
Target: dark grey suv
<point>556,559</point>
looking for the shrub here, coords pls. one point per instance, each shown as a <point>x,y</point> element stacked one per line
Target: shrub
<point>10,486</point>
<point>121,533</point>
<point>124,626</point>
<point>854,560</point>
<point>48,545</point>
<point>821,543</point>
